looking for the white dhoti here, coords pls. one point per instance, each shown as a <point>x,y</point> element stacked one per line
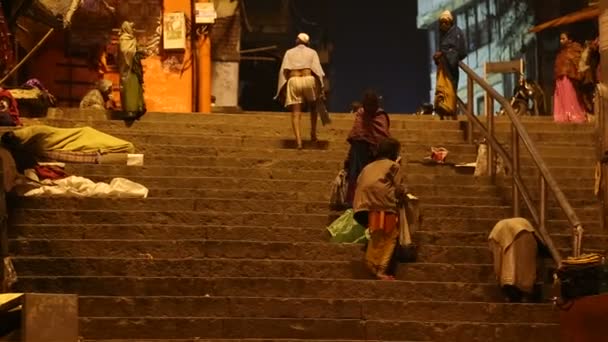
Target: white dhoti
<point>301,89</point>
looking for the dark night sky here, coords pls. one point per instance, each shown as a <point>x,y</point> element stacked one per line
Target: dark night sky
<point>377,45</point>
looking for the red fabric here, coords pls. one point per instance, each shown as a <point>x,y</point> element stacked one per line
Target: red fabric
<point>13,109</point>
<point>50,172</point>
<point>370,127</point>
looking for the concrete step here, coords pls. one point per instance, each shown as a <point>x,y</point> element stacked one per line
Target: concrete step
<point>141,139</point>
<point>128,232</point>
<point>129,285</point>
<point>445,218</point>
<point>250,268</point>
<point>199,251</point>
<point>164,196</point>
<point>415,149</point>
<point>330,132</point>
<point>440,238</point>
<point>164,203</point>
<point>225,340</point>
<point>473,186</point>
<point>329,160</point>
<point>166,231</point>
<point>481,208</point>
<point>338,120</point>
<point>253,307</point>
<point>313,329</point>
<point>311,171</point>
<point>415,172</point>
<point>283,124</point>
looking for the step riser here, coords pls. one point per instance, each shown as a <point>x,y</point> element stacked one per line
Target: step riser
<point>262,287</point>
<point>317,171</point>
<point>311,308</point>
<point>455,219</point>
<point>131,232</point>
<point>413,149</point>
<point>313,329</point>
<point>338,121</point>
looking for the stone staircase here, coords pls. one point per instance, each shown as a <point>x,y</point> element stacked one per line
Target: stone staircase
<point>231,243</point>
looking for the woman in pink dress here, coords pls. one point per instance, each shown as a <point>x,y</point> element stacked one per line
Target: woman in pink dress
<point>567,106</point>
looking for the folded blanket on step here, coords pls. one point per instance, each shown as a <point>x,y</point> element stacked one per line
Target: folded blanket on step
<point>82,139</point>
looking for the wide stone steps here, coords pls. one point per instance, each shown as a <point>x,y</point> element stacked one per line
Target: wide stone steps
<point>230,245</point>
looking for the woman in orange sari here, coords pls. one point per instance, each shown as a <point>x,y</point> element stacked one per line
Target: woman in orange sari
<point>377,197</point>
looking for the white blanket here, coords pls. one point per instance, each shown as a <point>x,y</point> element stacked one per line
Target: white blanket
<point>75,186</point>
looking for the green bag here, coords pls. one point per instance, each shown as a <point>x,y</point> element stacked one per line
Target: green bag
<point>346,230</point>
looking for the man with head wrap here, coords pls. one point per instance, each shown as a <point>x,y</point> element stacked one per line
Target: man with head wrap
<point>452,49</point>
<point>301,82</point>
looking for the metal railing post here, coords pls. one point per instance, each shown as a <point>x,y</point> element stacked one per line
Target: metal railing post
<point>490,119</point>
<point>471,107</point>
<point>515,171</point>
<point>543,203</point>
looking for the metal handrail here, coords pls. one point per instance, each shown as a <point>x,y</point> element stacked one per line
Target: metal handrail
<point>519,132</point>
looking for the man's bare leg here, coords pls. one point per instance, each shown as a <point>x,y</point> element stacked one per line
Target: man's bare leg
<point>313,125</point>
<point>296,118</point>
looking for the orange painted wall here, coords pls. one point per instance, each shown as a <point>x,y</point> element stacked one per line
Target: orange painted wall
<point>164,90</point>
<point>168,91</point>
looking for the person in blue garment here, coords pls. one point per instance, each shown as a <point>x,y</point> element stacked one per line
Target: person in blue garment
<point>452,49</point>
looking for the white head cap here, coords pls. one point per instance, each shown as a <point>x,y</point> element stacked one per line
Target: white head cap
<point>304,38</point>
<point>446,15</point>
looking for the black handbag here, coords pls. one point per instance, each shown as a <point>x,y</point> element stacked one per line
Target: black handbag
<point>582,280</point>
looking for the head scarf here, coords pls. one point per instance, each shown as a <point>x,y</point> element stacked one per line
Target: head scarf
<point>304,38</point>
<point>128,43</point>
<point>447,15</point>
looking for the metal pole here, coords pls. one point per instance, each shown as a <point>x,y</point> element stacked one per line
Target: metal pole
<point>515,171</point>
<point>490,117</point>
<point>603,102</point>
<point>27,57</point>
<point>542,212</point>
<point>471,107</point>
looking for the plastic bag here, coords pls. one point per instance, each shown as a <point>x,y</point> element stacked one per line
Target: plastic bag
<point>346,230</point>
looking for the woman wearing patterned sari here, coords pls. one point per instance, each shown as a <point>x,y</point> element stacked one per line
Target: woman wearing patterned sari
<point>376,205</point>
<point>370,127</point>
